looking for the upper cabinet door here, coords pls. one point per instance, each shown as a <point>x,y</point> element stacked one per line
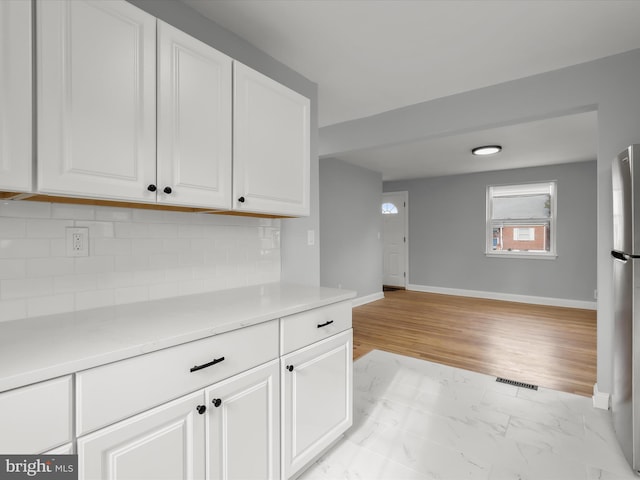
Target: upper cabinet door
<point>194,121</point>
<point>271,146</point>
<point>96,99</point>
<point>15,96</point>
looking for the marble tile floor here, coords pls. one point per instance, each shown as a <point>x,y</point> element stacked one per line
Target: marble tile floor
<point>415,419</point>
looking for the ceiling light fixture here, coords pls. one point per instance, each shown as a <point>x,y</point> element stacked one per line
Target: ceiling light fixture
<point>486,150</point>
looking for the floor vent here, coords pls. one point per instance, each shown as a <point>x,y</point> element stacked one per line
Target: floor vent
<point>517,384</point>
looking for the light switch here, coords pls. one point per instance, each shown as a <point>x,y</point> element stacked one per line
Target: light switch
<point>311,237</point>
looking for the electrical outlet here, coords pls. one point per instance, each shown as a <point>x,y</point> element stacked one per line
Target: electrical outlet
<point>77,241</point>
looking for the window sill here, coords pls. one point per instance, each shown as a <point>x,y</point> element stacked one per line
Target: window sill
<point>525,256</point>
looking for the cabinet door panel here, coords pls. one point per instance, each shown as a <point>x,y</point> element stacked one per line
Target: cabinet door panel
<point>317,399</point>
<point>271,146</point>
<point>96,94</point>
<point>15,96</point>
<point>243,431</point>
<point>164,443</point>
<point>194,121</point>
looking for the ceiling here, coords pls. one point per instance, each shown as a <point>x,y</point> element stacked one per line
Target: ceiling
<point>371,56</point>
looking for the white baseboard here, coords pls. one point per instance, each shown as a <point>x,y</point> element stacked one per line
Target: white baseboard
<point>600,399</point>
<point>356,302</point>
<point>508,297</point>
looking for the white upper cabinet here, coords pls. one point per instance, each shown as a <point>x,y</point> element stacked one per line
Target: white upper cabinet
<point>96,92</point>
<point>225,137</point>
<point>194,121</point>
<point>15,96</point>
<point>270,146</point>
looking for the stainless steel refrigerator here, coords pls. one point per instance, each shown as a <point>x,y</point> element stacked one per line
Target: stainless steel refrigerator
<point>625,396</point>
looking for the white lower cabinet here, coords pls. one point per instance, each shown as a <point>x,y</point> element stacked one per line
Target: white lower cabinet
<point>316,399</point>
<point>243,426</point>
<point>37,417</point>
<point>228,431</point>
<point>166,442</point>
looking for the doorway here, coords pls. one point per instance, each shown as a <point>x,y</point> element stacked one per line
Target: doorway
<point>395,239</point>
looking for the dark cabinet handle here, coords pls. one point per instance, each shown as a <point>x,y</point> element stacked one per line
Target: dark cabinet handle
<point>167,190</point>
<point>216,402</point>
<point>201,409</point>
<point>152,188</point>
<point>205,365</point>
<point>289,367</point>
<point>241,199</point>
<point>320,325</point>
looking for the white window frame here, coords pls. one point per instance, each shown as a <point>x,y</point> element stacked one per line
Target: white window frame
<point>523,189</point>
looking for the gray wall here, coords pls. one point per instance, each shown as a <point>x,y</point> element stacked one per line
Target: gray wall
<point>447,234</point>
<point>300,262</point>
<point>350,226</point>
<point>609,85</point>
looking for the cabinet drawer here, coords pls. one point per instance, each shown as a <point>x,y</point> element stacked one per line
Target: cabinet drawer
<point>112,392</point>
<point>36,418</point>
<point>302,329</point>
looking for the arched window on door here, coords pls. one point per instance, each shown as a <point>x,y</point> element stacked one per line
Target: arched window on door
<point>389,209</point>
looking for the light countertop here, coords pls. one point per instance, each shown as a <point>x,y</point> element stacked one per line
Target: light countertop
<point>40,348</point>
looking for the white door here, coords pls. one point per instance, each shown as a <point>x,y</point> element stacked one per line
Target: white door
<point>317,391</point>
<point>394,238</point>
<point>96,65</point>
<point>15,96</point>
<point>194,122</point>
<point>243,426</point>
<point>271,150</point>
<point>166,442</point>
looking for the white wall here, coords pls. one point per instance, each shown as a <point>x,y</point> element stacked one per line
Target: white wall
<point>135,255</point>
<point>609,85</point>
<point>350,228</point>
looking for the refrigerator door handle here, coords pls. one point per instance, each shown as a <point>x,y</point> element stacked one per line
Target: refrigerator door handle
<point>623,257</point>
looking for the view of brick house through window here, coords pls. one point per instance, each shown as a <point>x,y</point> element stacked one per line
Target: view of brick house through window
<point>521,219</point>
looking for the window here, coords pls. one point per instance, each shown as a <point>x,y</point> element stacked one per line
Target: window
<point>389,209</point>
<point>521,220</point>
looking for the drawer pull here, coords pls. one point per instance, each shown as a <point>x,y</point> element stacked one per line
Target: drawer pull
<point>289,367</point>
<point>205,365</point>
<point>320,325</point>
<point>216,402</point>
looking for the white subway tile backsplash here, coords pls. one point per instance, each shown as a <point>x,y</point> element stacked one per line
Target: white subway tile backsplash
<point>110,246</point>
<point>45,228</point>
<point>131,294</point>
<point>95,264</point>
<point>134,255</point>
<point>109,214</point>
<point>50,305</point>
<point>75,212</point>
<point>13,268</point>
<point>12,227</point>
<point>49,266</point>
<point>95,299</point>
<point>75,283</point>
<point>24,248</point>
<point>9,208</point>
<point>13,309</point>
<point>25,287</point>
<point>164,290</point>
<point>98,229</point>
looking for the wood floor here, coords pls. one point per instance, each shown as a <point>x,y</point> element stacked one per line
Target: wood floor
<point>552,347</point>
